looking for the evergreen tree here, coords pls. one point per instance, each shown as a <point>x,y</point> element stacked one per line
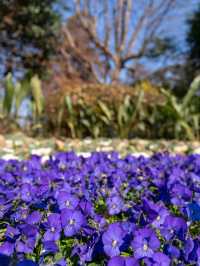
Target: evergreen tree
<point>27,34</point>
<point>193,40</point>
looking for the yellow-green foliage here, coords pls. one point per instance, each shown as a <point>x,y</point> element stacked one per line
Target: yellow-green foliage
<point>80,110</point>
<point>8,94</point>
<point>36,89</point>
<point>144,110</point>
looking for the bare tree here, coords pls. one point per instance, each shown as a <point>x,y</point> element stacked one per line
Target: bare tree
<point>110,37</point>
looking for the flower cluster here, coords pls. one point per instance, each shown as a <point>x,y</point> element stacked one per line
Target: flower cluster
<point>100,210</point>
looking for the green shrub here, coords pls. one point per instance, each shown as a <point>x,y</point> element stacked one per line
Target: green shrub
<point>125,112</point>
<point>82,110</point>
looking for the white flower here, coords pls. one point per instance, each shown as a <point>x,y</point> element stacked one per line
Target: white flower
<point>84,154</point>
<point>9,157</point>
<point>41,151</point>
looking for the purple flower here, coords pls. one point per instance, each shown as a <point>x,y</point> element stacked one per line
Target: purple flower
<point>86,207</point>
<point>113,239</point>
<point>20,214</point>
<point>7,248</point>
<point>123,261</point>
<point>49,247</point>
<point>145,243</point>
<point>180,194</point>
<point>27,192</point>
<point>67,201</point>
<point>53,227</point>
<point>61,262</point>
<point>174,226</point>
<point>198,256</point>
<point>156,212</point>
<point>117,261</point>
<point>12,233</point>
<point>34,218</point>
<point>115,205</point>
<point>130,261</point>
<point>193,211</point>
<point>84,251</point>
<point>27,263</point>
<point>99,221</point>
<point>158,259</point>
<point>191,247</point>
<point>188,248</point>
<point>160,218</point>
<point>61,204</point>
<point>26,242</point>
<point>72,221</point>
<point>172,251</point>
<point>4,208</point>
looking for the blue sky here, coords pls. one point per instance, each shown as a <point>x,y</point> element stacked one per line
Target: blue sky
<point>181,16</point>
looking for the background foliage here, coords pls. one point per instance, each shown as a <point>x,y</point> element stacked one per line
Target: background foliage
<point>28,32</point>
<point>81,69</point>
<point>82,110</point>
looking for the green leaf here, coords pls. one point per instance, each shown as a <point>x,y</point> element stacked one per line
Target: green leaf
<point>9,94</point>
<point>72,128</point>
<point>194,87</point>
<point>60,115</point>
<point>104,108</point>
<point>188,130</point>
<point>86,123</point>
<point>22,91</point>
<point>68,103</point>
<point>37,93</point>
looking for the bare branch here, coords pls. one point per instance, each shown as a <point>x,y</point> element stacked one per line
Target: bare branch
<point>150,29</point>
<point>87,7</point>
<point>126,15</point>
<point>127,29</point>
<point>139,26</point>
<point>106,24</point>
<point>115,27</point>
<point>94,38</point>
<point>77,6</point>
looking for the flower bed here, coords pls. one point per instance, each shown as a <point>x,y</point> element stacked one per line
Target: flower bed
<point>100,210</point>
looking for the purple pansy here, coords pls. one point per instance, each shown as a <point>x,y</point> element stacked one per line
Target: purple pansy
<point>180,194</point>
<point>61,262</point>
<point>123,261</point>
<point>113,239</point>
<point>34,218</point>
<point>72,221</point>
<point>27,192</point>
<point>103,209</point>
<point>115,205</point>
<point>158,259</point>
<point>53,227</point>
<point>174,226</point>
<point>117,261</point>
<point>49,247</point>
<point>156,213</point>
<point>145,243</point>
<point>27,263</point>
<point>12,233</point>
<point>26,242</point>
<point>7,248</point>
<point>172,251</point>
<point>67,200</point>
